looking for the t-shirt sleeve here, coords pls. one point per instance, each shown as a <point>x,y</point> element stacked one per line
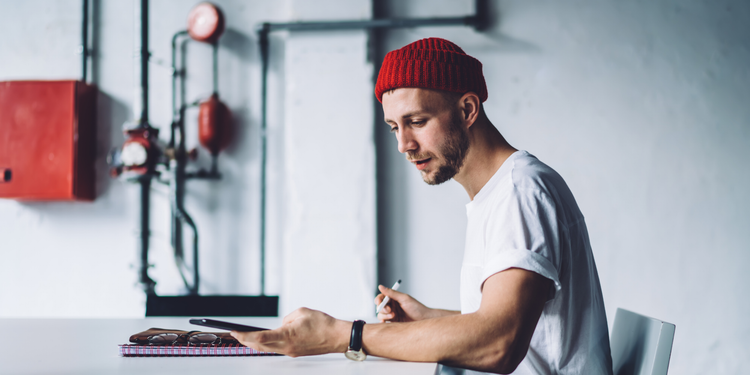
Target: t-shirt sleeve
<point>523,232</point>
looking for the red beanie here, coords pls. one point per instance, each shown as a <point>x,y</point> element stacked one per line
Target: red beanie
<point>431,63</point>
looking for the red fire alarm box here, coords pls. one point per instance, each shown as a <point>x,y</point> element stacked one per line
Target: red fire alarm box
<point>47,140</point>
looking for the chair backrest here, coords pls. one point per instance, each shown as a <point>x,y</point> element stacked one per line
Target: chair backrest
<point>640,345</point>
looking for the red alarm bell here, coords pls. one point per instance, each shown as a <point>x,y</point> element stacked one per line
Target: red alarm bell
<point>206,23</point>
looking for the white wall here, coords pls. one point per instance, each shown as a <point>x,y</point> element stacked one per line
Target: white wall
<point>329,227</point>
<point>642,107</point>
<point>76,259</point>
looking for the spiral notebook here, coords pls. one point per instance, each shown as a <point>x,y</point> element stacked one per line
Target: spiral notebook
<point>160,342</point>
<point>135,350</point>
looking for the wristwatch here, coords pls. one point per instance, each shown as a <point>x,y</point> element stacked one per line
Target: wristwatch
<point>355,351</point>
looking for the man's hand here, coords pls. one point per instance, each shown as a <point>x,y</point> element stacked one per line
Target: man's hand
<point>303,332</point>
<point>403,307</point>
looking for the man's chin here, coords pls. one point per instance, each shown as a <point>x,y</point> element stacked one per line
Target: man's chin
<point>436,178</point>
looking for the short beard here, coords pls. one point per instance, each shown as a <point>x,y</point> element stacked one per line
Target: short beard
<point>453,152</point>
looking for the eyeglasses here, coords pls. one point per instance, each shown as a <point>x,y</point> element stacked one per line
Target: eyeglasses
<point>204,339</point>
<point>189,339</point>
<point>166,339</point>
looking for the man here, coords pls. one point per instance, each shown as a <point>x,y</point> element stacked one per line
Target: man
<point>531,302</point>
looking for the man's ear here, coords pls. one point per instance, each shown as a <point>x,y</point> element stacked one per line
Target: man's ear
<point>470,106</point>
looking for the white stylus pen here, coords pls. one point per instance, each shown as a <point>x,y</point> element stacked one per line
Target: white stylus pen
<point>386,299</point>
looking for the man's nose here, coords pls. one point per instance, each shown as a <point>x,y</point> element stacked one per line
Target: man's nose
<point>406,141</point>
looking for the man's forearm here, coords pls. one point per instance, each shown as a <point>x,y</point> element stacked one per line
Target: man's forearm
<point>464,340</point>
<point>495,338</point>
<point>438,313</point>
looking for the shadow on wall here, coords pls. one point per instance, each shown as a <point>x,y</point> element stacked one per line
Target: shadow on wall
<point>238,44</point>
<point>227,200</point>
<point>390,175</point>
<point>110,116</point>
<point>110,113</point>
<point>491,11</point>
<point>492,42</point>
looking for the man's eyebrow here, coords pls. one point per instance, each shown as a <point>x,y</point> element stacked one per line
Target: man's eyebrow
<point>407,115</point>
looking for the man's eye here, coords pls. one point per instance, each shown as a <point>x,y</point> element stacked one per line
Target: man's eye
<point>417,123</point>
<point>393,129</point>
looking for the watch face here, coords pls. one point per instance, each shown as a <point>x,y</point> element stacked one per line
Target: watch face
<point>355,356</point>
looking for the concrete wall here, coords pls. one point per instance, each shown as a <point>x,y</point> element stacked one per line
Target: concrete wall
<point>76,259</point>
<point>640,105</point>
<point>642,108</point>
<point>329,226</point>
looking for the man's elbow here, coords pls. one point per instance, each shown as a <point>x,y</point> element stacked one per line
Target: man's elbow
<point>505,359</point>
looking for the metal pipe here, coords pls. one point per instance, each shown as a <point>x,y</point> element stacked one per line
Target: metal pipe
<point>176,73</point>
<point>389,23</point>
<point>145,54</point>
<point>140,109</point>
<point>263,32</point>
<point>215,166</point>
<point>216,66</point>
<point>176,223</point>
<point>177,167</point>
<point>147,283</point>
<point>140,105</point>
<point>183,77</point>
<point>177,186</point>
<point>263,43</point>
<point>85,41</point>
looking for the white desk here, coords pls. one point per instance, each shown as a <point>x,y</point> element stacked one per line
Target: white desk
<point>90,346</point>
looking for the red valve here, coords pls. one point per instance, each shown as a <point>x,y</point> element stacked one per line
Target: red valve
<point>206,23</point>
<point>214,125</point>
<point>139,151</point>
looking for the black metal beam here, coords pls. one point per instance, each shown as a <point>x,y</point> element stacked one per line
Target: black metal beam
<point>195,305</point>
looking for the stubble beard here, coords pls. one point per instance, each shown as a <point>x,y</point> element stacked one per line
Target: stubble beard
<point>453,152</point>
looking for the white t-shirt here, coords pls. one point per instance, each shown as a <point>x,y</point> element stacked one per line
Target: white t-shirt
<point>526,217</point>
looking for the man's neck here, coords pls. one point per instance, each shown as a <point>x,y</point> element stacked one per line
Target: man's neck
<point>488,151</point>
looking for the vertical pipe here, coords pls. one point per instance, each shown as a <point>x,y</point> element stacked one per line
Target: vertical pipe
<point>85,41</point>
<point>140,102</point>
<point>263,43</point>
<point>216,66</point>
<point>146,282</point>
<point>176,223</point>
<point>179,168</point>
<point>215,165</point>
<point>196,274</point>
<point>183,77</point>
<point>176,74</point>
<point>178,165</point>
<point>138,30</point>
<point>144,62</point>
<point>215,158</point>
<point>140,109</point>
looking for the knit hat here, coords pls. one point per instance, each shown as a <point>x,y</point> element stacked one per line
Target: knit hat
<point>431,63</point>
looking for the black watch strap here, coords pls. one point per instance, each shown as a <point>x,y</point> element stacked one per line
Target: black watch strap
<point>355,343</point>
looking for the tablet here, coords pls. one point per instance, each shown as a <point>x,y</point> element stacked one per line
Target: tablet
<point>225,325</point>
